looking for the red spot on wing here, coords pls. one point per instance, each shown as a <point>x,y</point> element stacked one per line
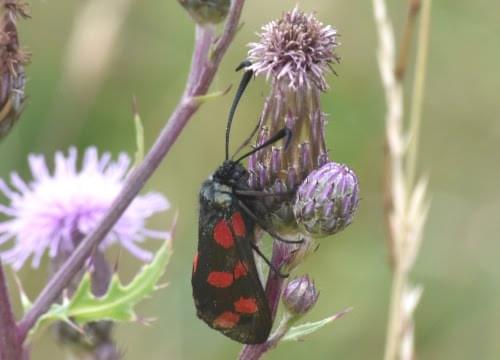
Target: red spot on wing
<point>246,305</point>
<point>240,270</point>
<point>220,279</point>
<point>195,263</point>
<point>238,224</point>
<point>226,320</point>
<point>222,235</point>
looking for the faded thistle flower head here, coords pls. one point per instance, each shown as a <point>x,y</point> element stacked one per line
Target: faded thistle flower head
<point>206,11</point>
<point>12,61</point>
<point>53,211</point>
<point>300,295</point>
<point>296,49</point>
<point>327,199</point>
<point>293,53</point>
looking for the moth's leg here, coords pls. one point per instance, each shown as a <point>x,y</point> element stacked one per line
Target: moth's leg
<point>254,217</point>
<point>268,262</point>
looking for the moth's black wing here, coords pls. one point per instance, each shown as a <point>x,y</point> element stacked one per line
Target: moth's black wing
<point>237,308</point>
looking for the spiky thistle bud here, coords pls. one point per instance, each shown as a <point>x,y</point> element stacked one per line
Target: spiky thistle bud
<point>206,11</point>
<point>326,201</point>
<point>293,53</point>
<point>300,295</point>
<point>12,61</point>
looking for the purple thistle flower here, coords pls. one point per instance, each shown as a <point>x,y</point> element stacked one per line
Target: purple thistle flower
<point>297,48</point>
<point>54,211</point>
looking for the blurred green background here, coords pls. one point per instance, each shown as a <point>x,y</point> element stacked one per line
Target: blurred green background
<point>70,102</point>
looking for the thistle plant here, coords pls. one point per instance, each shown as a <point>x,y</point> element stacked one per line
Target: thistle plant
<point>53,212</point>
<point>63,207</point>
<point>293,54</point>
<point>315,196</point>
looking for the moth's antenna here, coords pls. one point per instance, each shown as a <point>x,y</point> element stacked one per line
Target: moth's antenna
<point>283,133</point>
<point>247,141</point>
<point>247,76</point>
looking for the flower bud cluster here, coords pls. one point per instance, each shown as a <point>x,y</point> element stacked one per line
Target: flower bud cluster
<point>294,53</point>
<point>313,195</point>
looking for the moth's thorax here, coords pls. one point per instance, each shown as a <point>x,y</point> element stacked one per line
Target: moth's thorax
<point>217,191</point>
<point>216,195</point>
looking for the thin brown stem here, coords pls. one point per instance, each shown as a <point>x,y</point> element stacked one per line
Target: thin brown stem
<point>204,66</point>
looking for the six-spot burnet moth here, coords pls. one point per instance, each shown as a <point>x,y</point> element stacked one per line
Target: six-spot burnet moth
<point>227,291</point>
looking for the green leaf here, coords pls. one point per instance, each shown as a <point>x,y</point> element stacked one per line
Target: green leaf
<point>297,333</point>
<point>139,137</point>
<point>210,96</point>
<point>118,302</point>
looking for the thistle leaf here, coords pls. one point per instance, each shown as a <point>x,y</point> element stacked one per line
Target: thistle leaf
<point>210,96</point>
<point>118,302</point>
<point>297,333</point>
